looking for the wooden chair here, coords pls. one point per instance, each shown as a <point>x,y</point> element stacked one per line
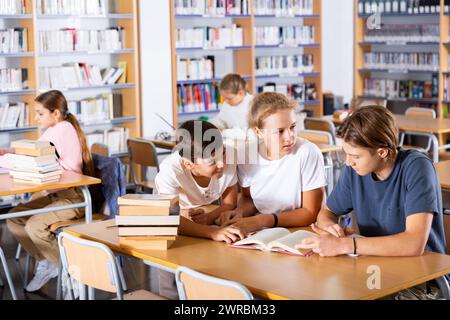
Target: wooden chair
<point>101,149</point>
<point>321,125</point>
<point>93,264</point>
<point>142,153</point>
<point>193,285</point>
<point>419,113</point>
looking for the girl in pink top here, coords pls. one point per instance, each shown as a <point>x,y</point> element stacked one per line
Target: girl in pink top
<point>64,132</point>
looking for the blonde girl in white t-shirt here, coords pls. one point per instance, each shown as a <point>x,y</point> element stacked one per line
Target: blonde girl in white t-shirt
<point>285,185</point>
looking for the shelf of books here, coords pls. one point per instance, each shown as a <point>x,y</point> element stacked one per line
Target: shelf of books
<point>402,53</point>
<point>274,45</point>
<point>88,49</point>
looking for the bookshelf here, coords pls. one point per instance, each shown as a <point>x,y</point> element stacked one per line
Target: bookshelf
<point>111,14</point>
<point>423,33</point>
<point>241,55</point>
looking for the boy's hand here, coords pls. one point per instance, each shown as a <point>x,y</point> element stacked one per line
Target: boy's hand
<point>227,234</point>
<point>227,216</point>
<point>200,216</point>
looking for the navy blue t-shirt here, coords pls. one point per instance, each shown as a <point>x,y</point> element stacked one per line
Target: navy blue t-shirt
<point>381,207</point>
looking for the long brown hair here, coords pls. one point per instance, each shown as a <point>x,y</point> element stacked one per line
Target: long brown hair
<point>55,100</point>
<point>371,127</point>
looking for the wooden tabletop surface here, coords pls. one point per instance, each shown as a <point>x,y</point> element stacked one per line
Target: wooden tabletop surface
<point>443,172</point>
<point>67,180</point>
<point>281,276</point>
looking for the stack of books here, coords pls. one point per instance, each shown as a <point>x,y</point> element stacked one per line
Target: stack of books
<point>148,221</point>
<point>34,162</point>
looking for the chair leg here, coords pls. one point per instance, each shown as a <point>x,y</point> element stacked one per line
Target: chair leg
<point>1,282</point>
<point>27,270</point>
<point>121,276</point>
<point>18,252</point>
<point>444,286</point>
<point>8,275</point>
<point>59,282</point>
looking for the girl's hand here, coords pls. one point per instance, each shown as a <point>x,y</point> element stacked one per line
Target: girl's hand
<point>227,234</point>
<point>248,225</point>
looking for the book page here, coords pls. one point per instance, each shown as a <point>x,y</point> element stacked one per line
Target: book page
<point>288,242</point>
<point>262,238</point>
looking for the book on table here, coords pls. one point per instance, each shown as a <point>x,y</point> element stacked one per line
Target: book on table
<point>147,211</point>
<point>156,200</point>
<point>276,239</point>
<point>30,144</point>
<point>147,220</point>
<point>148,231</point>
<point>147,242</point>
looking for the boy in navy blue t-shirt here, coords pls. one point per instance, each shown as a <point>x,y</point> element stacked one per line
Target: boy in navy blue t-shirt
<point>395,194</point>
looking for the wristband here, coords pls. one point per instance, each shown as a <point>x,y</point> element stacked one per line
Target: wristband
<point>354,246</point>
<point>275,220</point>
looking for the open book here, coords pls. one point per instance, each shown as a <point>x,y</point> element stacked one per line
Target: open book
<point>276,239</point>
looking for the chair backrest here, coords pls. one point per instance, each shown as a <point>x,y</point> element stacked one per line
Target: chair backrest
<point>420,112</point>
<point>316,136</point>
<point>141,154</point>
<point>321,125</point>
<point>100,149</point>
<point>193,285</point>
<point>91,263</point>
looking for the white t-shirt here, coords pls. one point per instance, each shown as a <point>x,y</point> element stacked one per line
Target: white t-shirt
<point>233,117</point>
<point>277,185</point>
<point>173,178</point>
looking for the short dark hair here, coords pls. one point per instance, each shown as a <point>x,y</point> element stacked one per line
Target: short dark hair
<point>198,139</point>
<point>371,127</point>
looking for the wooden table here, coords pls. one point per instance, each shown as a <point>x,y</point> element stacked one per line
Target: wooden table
<point>67,180</point>
<point>281,276</point>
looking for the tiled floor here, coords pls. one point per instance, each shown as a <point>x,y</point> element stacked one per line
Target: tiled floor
<point>137,275</point>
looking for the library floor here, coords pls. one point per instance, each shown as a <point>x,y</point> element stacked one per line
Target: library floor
<point>137,275</point>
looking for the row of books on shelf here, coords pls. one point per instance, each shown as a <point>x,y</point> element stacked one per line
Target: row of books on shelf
<point>209,37</point>
<point>10,7</point>
<point>71,7</point>
<point>195,69</point>
<point>283,7</point>
<point>299,92</point>
<point>285,35</point>
<point>13,115</point>
<point>399,6</point>
<point>34,162</point>
<point>422,61</point>
<point>274,65</point>
<point>72,39</point>
<point>13,79</point>
<point>398,89</point>
<point>93,110</point>
<point>447,87</point>
<point>76,75</point>
<point>400,33</point>
<point>115,138</point>
<point>13,40</point>
<point>198,98</point>
<point>147,221</point>
<point>212,7</point>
